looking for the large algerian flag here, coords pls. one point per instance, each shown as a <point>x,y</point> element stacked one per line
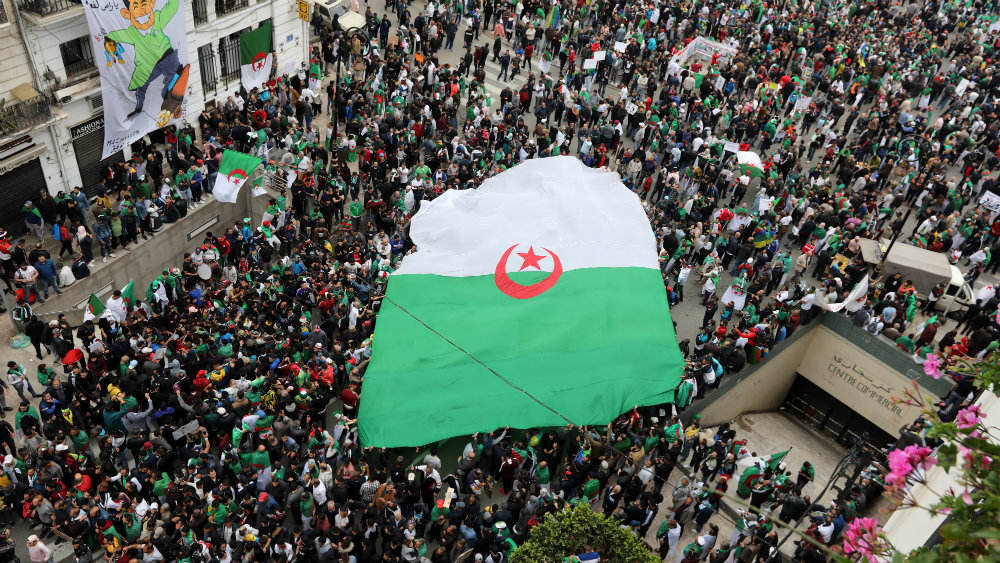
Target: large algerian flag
<point>94,308</point>
<point>547,274</point>
<point>256,56</point>
<point>233,172</point>
<point>750,164</point>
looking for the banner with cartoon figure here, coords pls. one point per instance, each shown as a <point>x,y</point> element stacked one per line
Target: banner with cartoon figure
<point>144,70</point>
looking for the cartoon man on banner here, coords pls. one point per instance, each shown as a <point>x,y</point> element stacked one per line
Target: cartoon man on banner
<point>154,56</point>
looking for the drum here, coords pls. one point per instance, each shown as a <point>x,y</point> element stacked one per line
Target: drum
<point>205,272</point>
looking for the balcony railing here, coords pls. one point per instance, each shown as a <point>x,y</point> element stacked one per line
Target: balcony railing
<point>19,116</point>
<point>223,7</point>
<point>200,9</point>
<point>3,14</point>
<point>46,7</point>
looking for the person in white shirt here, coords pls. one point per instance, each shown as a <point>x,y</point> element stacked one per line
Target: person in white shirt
<point>118,306</point>
<point>430,473</point>
<point>826,529</point>
<point>66,277</point>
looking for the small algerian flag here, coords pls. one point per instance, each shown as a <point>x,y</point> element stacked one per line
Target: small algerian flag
<point>94,308</point>
<point>233,171</point>
<point>258,186</point>
<point>128,294</point>
<point>775,459</point>
<point>256,56</point>
<point>315,75</point>
<point>750,164</point>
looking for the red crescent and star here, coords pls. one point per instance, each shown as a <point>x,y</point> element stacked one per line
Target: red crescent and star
<point>241,174</point>
<point>258,61</point>
<point>528,260</point>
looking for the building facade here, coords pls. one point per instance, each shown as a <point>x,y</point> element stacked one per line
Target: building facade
<point>52,117</point>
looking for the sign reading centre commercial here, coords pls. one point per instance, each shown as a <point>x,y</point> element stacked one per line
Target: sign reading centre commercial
<point>858,380</point>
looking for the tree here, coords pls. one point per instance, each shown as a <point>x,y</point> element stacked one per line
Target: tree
<point>565,533</point>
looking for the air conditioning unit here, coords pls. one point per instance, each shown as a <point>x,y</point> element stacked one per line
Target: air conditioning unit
<point>96,102</point>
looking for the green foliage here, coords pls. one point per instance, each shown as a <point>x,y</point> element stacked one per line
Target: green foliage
<point>566,533</point>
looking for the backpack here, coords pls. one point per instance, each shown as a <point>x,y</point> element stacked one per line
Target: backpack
<point>872,327</point>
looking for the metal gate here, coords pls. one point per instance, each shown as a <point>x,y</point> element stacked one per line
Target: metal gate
<point>20,184</point>
<point>229,56</point>
<point>88,143</point>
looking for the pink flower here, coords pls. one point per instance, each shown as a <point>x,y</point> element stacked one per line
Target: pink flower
<point>904,462</point>
<point>932,366</point>
<point>966,498</point>
<point>899,468</point>
<point>920,456</point>
<point>862,536</point>
<point>969,417</point>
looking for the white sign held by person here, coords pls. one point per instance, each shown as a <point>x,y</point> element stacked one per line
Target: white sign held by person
<point>991,201</point>
<point>145,68</point>
<point>963,85</point>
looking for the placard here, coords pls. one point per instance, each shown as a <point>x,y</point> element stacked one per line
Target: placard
<point>144,68</point>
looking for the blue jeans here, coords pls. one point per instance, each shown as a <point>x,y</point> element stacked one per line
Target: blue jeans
<point>45,283</point>
<point>166,67</point>
<point>20,388</point>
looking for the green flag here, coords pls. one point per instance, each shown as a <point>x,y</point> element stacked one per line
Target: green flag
<point>233,171</point>
<point>256,56</point>
<point>258,186</point>
<point>776,459</point>
<point>94,308</point>
<point>128,294</point>
<point>551,318</point>
<point>315,75</point>
<point>750,164</point>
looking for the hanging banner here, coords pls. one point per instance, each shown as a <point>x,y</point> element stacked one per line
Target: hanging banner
<point>145,67</point>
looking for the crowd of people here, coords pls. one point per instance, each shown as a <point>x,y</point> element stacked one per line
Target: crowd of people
<point>215,419</point>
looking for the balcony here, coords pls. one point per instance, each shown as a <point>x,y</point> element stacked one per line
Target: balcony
<point>28,110</point>
<point>223,7</point>
<point>42,12</point>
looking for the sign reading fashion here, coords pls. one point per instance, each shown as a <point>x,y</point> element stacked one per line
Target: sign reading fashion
<point>144,70</point>
<point>87,127</point>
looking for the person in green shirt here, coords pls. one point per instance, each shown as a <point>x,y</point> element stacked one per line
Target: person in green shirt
<point>543,474</point>
<point>45,374</point>
<point>154,56</point>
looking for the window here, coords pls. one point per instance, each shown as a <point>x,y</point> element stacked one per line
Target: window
<point>77,56</point>
<point>200,9</point>
<point>229,55</point>
<point>209,72</point>
<point>223,7</point>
